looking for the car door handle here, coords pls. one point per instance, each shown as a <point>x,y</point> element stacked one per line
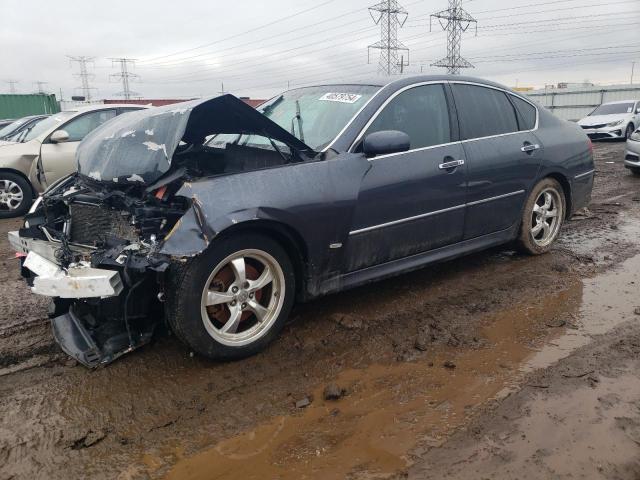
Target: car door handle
<point>451,164</point>
<point>530,147</point>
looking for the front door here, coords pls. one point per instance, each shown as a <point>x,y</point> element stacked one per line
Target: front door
<point>410,202</point>
<point>59,159</point>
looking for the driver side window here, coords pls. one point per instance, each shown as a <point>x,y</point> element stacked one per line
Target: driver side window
<point>80,127</point>
<point>420,112</point>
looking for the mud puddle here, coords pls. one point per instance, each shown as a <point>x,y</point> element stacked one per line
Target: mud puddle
<point>391,407</point>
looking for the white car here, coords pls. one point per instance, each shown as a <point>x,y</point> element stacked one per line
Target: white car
<point>46,152</point>
<point>612,120</point>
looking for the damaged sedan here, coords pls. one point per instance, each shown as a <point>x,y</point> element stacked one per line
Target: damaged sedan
<point>214,218</point>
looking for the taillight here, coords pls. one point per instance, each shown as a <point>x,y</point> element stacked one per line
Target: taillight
<point>590,143</point>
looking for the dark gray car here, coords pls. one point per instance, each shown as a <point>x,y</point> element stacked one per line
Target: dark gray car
<point>218,217</point>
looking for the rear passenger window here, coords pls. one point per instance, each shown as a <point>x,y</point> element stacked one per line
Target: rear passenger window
<point>420,112</point>
<point>526,113</point>
<point>483,111</point>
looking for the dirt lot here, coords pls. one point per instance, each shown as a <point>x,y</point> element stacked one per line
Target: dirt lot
<point>495,365</point>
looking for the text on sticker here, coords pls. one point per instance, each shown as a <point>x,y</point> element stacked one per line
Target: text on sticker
<point>340,97</point>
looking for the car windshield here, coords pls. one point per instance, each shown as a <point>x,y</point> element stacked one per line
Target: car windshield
<point>613,108</point>
<point>315,115</point>
<point>12,127</point>
<point>47,124</point>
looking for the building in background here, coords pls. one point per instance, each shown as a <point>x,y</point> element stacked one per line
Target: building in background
<point>575,102</point>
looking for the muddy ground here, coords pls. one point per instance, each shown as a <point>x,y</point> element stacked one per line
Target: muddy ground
<point>496,365</point>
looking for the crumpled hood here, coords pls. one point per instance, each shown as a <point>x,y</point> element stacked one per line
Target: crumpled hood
<point>138,146</point>
<point>600,119</point>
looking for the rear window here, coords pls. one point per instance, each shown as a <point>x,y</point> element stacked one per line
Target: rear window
<point>526,113</point>
<point>484,111</point>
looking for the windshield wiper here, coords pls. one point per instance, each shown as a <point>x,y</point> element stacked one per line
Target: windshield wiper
<point>267,110</point>
<point>299,118</point>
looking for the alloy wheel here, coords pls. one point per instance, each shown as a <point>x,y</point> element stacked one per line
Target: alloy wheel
<point>11,195</point>
<point>242,297</point>
<point>546,217</point>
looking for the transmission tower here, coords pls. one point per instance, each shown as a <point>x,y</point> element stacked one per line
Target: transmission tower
<point>455,20</point>
<point>84,75</point>
<point>125,76</point>
<point>40,86</point>
<point>12,85</point>
<point>390,15</point>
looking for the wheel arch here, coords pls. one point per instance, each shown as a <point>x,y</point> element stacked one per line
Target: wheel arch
<point>20,174</point>
<point>286,236</point>
<point>566,188</point>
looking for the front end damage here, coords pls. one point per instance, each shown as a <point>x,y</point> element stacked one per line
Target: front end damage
<point>95,251</point>
<point>97,242</point>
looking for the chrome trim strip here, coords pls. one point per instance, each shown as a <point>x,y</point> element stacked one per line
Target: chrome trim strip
<point>584,174</point>
<point>403,220</point>
<point>429,214</point>
<point>498,197</point>
<point>387,155</point>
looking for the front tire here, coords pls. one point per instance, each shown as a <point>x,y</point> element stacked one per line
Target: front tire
<point>635,171</point>
<point>629,130</point>
<point>542,217</point>
<point>15,195</point>
<point>232,300</point>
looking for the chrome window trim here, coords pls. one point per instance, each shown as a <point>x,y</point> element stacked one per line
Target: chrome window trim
<point>584,174</point>
<point>432,82</point>
<point>355,115</point>
<point>435,212</point>
<point>384,104</point>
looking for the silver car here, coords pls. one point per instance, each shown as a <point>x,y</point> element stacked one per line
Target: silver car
<point>632,153</point>
<point>46,152</point>
<point>612,120</point>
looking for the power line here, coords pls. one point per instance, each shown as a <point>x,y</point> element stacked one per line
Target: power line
<point>84,75</point>
<point>39,86</point>
<point>456,21</point>
<point>389,15</point>
<point>125,76</point>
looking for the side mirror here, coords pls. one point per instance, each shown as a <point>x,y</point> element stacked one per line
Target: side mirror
<point>59,136</point>
<point>638,110</point>
<point>384,142</point>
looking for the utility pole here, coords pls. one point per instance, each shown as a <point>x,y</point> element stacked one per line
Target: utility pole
<point>455,20</point>
<point>12,85</point>
<point>125,76</point>
<point>633,66</point>
<point>39,86</point>
<point>390,15</point>
<point>84,75</point>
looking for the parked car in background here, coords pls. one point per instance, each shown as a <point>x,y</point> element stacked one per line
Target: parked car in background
<point>46,152</point>
<point>16,127</point>
<point>632,153</point>
<point>612,120</point>
<point>320,189</point>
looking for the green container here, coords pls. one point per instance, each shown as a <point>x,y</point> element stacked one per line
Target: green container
<point>16,106</point>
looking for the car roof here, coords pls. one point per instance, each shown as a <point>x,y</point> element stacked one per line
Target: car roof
<point>104,106</point>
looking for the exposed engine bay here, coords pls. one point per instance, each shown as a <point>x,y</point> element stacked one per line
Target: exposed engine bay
<point>95,241</point>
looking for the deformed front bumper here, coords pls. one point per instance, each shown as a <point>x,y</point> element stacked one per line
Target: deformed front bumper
<point>77,281</point>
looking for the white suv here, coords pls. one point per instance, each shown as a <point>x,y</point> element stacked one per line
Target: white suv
<point>612,120</point>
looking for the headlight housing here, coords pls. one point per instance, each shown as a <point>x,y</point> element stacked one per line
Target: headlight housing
<point>614,124</point>
<point>635,135</point>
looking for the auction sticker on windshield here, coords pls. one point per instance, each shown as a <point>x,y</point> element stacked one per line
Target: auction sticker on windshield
<point>340,97</point>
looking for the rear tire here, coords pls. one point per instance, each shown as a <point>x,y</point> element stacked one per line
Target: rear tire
<point>542,217</point>
<point>15,195</point>
<point>214,304</point>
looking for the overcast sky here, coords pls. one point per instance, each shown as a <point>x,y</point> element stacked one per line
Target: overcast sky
<point>256,48</point>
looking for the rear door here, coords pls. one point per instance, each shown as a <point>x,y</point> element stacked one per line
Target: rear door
<point>59,159</point>
<point>503,155</point>
<point>408,202</point>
